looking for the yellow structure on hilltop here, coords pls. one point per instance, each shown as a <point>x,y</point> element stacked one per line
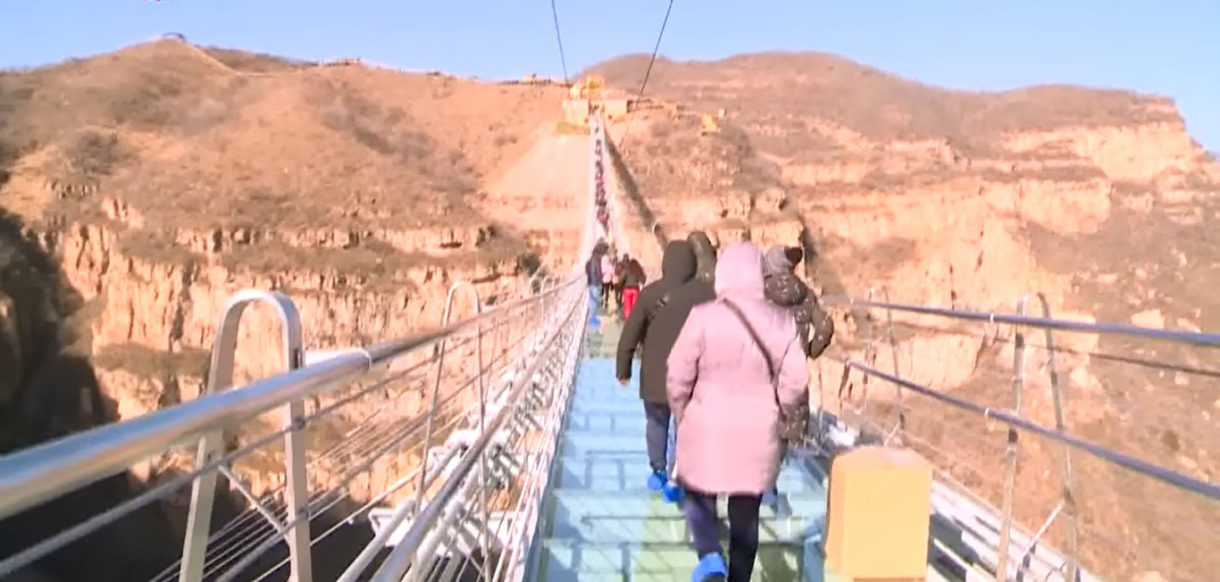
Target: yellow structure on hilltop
<point>587,97</point>
<point>590,88</point>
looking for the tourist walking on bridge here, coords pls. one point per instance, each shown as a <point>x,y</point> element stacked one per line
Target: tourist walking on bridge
<point>735,370</point>
<point>593,278</point>
<point>785,289</point>
<point>813,325</point>
<point>655,325</point>
<point>607,271</point>
<point>618,285</point>
<point>633,280</point>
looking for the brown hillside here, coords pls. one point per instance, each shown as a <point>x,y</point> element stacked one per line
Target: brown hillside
<point>1097,198</point>
<point>250,62</point>
<point>785,99</point>
<point>165,176</point>
<point>186,142</point>
<point>140,189</point>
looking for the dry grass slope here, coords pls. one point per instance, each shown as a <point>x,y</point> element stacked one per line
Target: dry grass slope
<point>195,139</point>
<point>780,97</point>
<point>252,62</point>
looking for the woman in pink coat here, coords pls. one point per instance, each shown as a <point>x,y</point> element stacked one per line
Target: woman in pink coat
<point>727,408</point>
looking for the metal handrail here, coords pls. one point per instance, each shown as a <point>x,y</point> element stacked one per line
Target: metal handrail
<point>38,474</point>
<point>1188,337</point>
<point>1178,480</point>
<point>1067,507</point>
<point>404,553</point>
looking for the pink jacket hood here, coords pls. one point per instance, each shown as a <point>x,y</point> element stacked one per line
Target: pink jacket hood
<point>739,272</point>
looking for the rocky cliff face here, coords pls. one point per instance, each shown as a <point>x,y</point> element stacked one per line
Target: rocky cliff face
<point>154,322</point>
<point>1100,200</point>
<point>49,389</point>
<point>149,185</point>
<point>182,179</point>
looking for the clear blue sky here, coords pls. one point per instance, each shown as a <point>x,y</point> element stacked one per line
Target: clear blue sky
<point>1169,47</point>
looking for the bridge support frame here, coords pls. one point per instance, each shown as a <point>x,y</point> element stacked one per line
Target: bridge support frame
<point>435,405</point>
<point>1068,503</point>
<point>203,491</point>
<point>870,356</point>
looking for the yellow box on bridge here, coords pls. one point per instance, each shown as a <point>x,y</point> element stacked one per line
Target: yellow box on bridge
<point>877,515</point>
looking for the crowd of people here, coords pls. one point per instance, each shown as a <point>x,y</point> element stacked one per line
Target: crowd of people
<point>614,281</point>
<point>599,196</point>
<point>724,345</point>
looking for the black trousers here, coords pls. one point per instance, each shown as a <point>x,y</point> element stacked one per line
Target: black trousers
<point>704,524</point>
<point>656,433</point>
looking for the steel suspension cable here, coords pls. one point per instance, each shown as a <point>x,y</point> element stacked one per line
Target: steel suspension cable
<point>647,72</point>
<point>559,39</point>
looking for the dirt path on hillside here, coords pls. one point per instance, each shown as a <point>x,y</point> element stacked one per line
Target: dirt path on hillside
<point>545,196</point>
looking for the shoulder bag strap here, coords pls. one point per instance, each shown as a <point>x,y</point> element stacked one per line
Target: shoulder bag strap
<point>761,346</point>
<point>754,336</point>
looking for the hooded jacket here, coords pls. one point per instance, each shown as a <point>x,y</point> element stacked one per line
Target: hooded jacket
<point>783,288</point>
<point>646,327</point>
<point>720,389</point>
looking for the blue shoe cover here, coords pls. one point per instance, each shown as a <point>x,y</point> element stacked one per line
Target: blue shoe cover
<point>656,482</point>
<point>710,567</point>
<point>771,498</point>
<point>672,492</point>
<point>779,504</point>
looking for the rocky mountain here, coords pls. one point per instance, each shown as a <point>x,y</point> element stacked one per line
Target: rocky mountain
<point>141,188</point>
<point>1098,199</point>
<point>164,177</point>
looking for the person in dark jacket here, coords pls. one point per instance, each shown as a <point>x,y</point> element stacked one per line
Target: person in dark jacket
<point>654,324</point>
<point>593,278</point>
<point>633,280</point>
<point>619,267</point>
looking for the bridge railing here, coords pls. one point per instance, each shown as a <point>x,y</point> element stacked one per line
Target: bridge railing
<point>318,444</point>
<point>481,521</point>
<point>948,400</point>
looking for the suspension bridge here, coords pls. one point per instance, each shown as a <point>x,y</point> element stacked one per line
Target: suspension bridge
<point>500,447</point>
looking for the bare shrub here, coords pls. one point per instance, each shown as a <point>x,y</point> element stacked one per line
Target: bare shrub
<point>95,154</point>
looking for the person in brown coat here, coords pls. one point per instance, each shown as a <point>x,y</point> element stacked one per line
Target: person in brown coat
<point>785,289</point>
